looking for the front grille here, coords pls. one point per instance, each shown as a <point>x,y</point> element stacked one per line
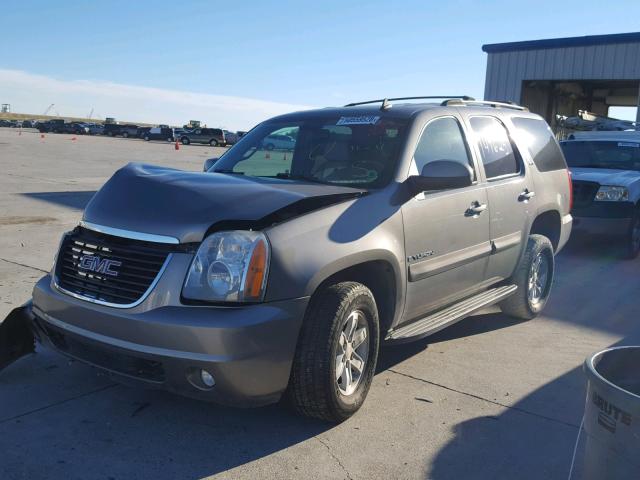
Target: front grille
<point>122,363</point>
<point>106,268</point>
<point>584,193</point>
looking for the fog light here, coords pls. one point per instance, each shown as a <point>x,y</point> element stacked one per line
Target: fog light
<point>207,378</point>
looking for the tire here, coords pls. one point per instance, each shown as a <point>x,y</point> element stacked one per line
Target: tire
<point>125,135</point>
<point>269,146</point>
<point>213,142</point>
<point>185,140</point>
<point>315,388</point>
<point>110,134</point>
<point>524,303</point>
<point>633,237</point>
<point>146,138</point>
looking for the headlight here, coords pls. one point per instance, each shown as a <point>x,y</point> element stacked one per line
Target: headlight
<point>229,267</point>
<point>612,194</point>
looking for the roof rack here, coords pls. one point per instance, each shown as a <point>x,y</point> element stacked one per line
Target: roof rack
<point>461,101</point>
<point>387,105</point>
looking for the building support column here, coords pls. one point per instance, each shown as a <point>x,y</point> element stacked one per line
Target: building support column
<point>638,110</point>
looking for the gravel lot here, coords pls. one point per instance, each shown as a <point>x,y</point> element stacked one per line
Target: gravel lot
<point>488,398</point>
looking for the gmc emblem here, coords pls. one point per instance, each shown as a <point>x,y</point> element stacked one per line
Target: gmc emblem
<point>96,264</point>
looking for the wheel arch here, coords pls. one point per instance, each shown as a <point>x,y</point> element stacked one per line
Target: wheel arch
<point>549,224</point>
<point>380,275</point>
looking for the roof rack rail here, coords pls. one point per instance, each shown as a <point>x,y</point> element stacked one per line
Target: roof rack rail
<point>386,105</point>
<point>461,101</point>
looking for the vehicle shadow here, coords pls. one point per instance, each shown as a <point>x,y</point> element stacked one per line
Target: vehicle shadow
<point>535,436</point>
<point>75,200</point>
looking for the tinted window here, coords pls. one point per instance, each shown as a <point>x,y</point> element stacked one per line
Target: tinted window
<point>540,142</point>
<point>442,139</point>
<point>496,151</point>
<point>602,154</point>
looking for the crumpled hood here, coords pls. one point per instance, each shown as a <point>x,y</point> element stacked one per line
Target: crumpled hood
<point>163,201</point>
<point>605,176</point>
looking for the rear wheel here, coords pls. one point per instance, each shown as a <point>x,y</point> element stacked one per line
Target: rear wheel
<point>533,277</point>
<point>146,138</point>
<point>336,354</point>
<point>633,237</point>
<point>125,135</point>
<point>213,142</point>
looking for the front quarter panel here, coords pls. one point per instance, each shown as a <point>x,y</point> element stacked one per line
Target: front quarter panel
<point>309,249</point>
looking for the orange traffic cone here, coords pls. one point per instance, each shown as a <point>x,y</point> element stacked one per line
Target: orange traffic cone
<point>73,139</point>
<point>177,146</point>
<point>42,136</point>
<point>285,157</point>
<point>20,133</point>
<point>268,156</point>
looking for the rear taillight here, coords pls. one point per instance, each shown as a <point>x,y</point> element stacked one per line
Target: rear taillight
<point>570,190</point>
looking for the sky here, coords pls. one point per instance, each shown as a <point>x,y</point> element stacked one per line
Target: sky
<point>233,64</point>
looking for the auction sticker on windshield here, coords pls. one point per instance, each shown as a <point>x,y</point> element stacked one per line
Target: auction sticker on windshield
<point>361,120</point>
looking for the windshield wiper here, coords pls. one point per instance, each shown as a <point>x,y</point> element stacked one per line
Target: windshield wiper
<point>304,178</point>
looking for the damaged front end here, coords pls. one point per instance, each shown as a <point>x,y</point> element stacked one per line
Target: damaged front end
<point>16,338</point>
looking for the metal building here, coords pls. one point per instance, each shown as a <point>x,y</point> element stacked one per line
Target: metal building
<point>563,75</point>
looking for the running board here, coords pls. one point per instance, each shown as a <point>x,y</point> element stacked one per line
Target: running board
<point>444,318</point>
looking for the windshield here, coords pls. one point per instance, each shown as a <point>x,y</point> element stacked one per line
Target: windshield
<point>358,151</point>
<point>603,154</point>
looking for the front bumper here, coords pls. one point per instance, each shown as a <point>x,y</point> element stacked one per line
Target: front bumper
<point>603,218</point>
<point>161,343</point>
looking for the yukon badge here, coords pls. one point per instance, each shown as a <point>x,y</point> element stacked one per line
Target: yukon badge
<point>96,264</point>
<point>420,256</point>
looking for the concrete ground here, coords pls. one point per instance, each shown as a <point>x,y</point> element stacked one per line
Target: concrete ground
<point>488,398</point>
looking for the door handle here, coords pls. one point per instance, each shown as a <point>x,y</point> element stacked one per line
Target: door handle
<point>526,195</point>
<point>476,208</point>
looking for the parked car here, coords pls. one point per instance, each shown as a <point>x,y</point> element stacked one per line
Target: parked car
<point>230,137</point>
<point>142,131</point>
<point>606,185</point>
<point>96,129</point>
<point>160,133</point>
<point>116,130</point>
<point>76,128</point>
<point>55,125</point>
<point>213,136</point>
<point>279,142</point>
<point>272,275</point>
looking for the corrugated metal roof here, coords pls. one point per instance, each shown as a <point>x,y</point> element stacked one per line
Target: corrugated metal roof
<point>585,41</point>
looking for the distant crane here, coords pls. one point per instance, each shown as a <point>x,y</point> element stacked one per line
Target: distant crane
<point>46,112</point>
<point>90,114</point>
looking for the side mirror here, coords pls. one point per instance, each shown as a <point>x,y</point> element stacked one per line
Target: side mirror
<point>440,175</point>
<point>209,162</point>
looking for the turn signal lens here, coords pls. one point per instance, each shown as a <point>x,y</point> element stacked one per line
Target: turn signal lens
<point>257,272</point>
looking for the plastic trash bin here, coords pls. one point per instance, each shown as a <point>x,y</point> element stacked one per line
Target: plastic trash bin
<point>612,415</point>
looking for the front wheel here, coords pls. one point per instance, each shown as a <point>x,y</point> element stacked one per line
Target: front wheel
<point>633,237</point>
<point>125,135</point>
<point>336,354</point>
<point>146,138</point>
<point>533,277</point>
<point>185,140</point>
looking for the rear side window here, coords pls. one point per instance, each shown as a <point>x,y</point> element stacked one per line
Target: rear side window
<point>498,156</point>
<point>540,142</point>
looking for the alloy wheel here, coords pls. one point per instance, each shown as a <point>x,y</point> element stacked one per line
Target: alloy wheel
<point>352,352</point>
<point>538,279</point>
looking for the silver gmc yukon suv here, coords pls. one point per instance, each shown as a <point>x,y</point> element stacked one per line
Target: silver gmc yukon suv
<point>279,272</point>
